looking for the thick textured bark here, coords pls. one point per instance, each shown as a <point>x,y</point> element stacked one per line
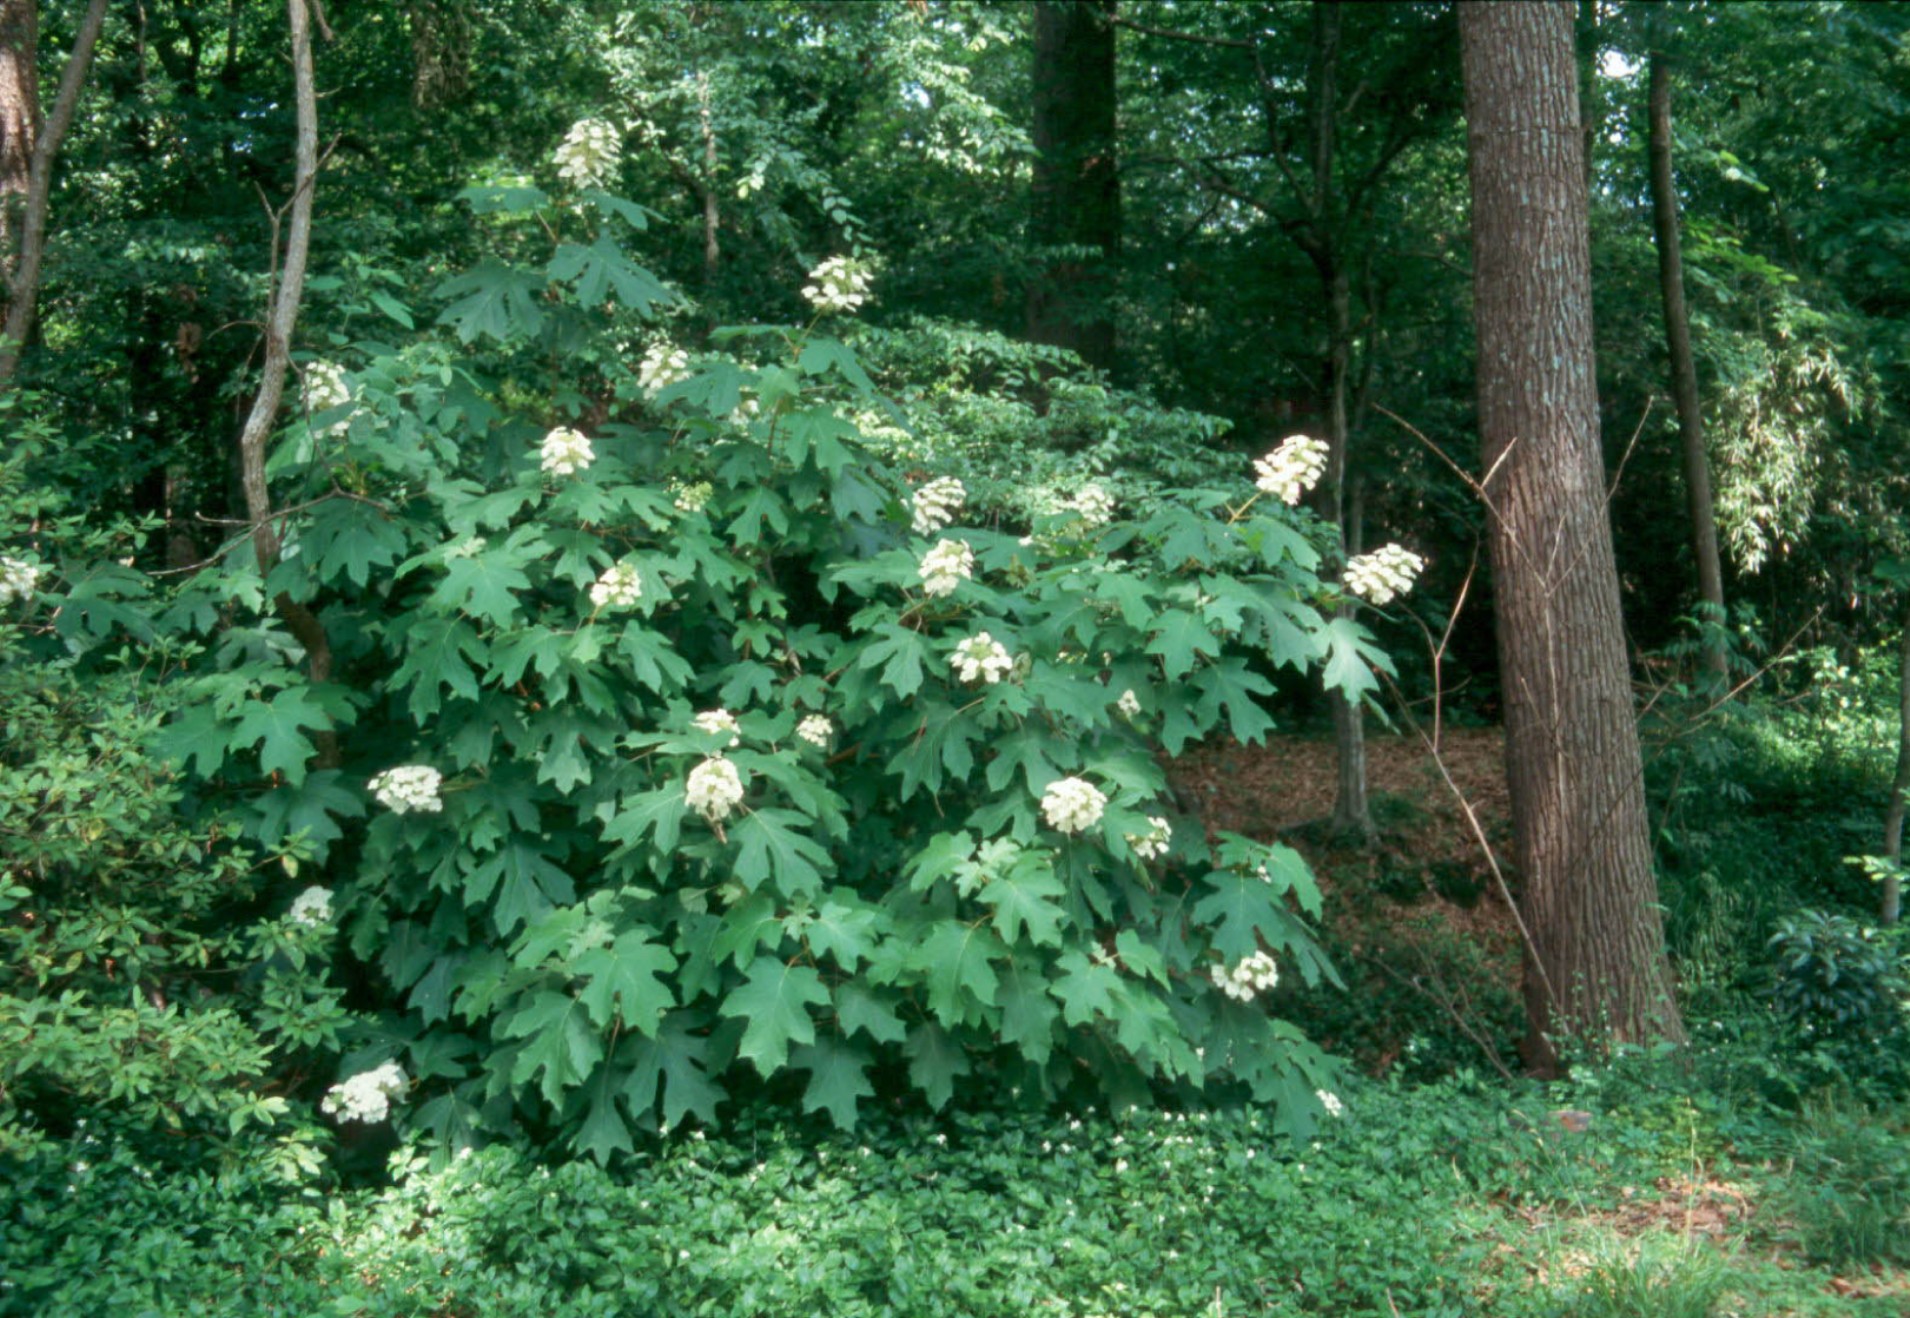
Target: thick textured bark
<point>1076,200</point>
<point>1891,906</point>
<point>19,110</point>
<point>23,288</point>
<point>1684,370</point>
<point>1595,962</point>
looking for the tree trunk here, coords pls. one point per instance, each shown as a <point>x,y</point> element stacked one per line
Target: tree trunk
<point>1684,375</point>
<point>281,320</point>
<point>1595,958</point>
<point>1586,47</point>
<point>1321,240</point>
<point>23,288</point>
<point>1076,200</point>
<point>1891,907</point>
<point>19,110</point>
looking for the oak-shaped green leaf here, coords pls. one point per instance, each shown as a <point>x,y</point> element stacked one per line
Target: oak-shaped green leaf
<point>775,1000</point>
<point>1026,900</point>
<point>624,979</point>
<point>278,727</point>
<point>935,1063</point>
<point>604,1131</point>
<point>771,846</point>
<point>563,1044</point>
<point>954,961</point>
<point>870,1011</point>
<point>677,1062</point>
<point>838,1076</point>
<point>1242,909</point>
<point>1087,987</point>
<point>845,929</point>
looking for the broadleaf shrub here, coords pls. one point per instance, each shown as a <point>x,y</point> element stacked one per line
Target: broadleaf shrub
<point>659,766</point>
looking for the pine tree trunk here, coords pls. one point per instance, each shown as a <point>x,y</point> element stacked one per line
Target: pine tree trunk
<point>1076,200</point>
<point>1595,962</point>
<point>1684,372</point>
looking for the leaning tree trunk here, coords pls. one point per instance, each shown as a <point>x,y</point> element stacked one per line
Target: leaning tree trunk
<point>1076,200</point>
<point>1684,374</point>
<point>1595,958</point>
<point>23,286</point>
<point>281,319</point>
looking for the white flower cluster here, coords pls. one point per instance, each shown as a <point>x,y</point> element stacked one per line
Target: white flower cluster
<point>719,721</point>
<point>935,504</point>
<point>1256,974</point>
<point>1152,845</point>
<point>1383,574</point>
<point>1331,1102</point>
<point>981,658</point>
<point>691,498</point>
<point>715,788</point>
<point>838,284</point>
<point>662,366</point>
<point>408,788</point>
<point>326,387</point>
<point>1292,469</point>
<point>816,730</point>
<point>1129,703</point>
<point>18,578</point>
<point>618,587</point>
<point>1072,804</point>
<point>312,907</point>
<point>1093,505</point>
<point>366,1096</point>
<point>566,451</point>
<point>589,153</point>
<point>947,566</point>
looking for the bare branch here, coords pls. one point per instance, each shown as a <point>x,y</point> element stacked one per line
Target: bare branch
<point>1234,43</point>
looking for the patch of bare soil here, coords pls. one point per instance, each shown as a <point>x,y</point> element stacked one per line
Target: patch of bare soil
<point>1395,909</point>
<point>1430,809</point>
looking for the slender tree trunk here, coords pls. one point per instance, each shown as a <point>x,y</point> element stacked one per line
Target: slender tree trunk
<point>1076,199</point>
<point>712,217</point>
<point>19,110</point>
<point>24,286</point>
<point>1595,959</point>
<point>1684,372</point>
<point>1352,812</point>
<point>281,320</point>
<point>1891,907</point>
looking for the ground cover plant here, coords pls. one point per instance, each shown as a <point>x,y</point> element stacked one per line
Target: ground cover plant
<point>1453,1198</point>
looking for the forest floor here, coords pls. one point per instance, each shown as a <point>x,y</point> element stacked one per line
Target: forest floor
<point>1428,878</point>
<point>1428,863</point>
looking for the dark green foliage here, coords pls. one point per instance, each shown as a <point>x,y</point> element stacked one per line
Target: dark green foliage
<point>1833,974</point>
<point>1848,1195</point>
<point>147,974</point>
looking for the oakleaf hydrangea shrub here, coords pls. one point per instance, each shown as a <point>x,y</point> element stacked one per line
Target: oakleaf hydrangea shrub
<point>632,802</point>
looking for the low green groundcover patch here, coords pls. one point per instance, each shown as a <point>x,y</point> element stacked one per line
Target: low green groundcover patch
<point>1417,1202</point>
